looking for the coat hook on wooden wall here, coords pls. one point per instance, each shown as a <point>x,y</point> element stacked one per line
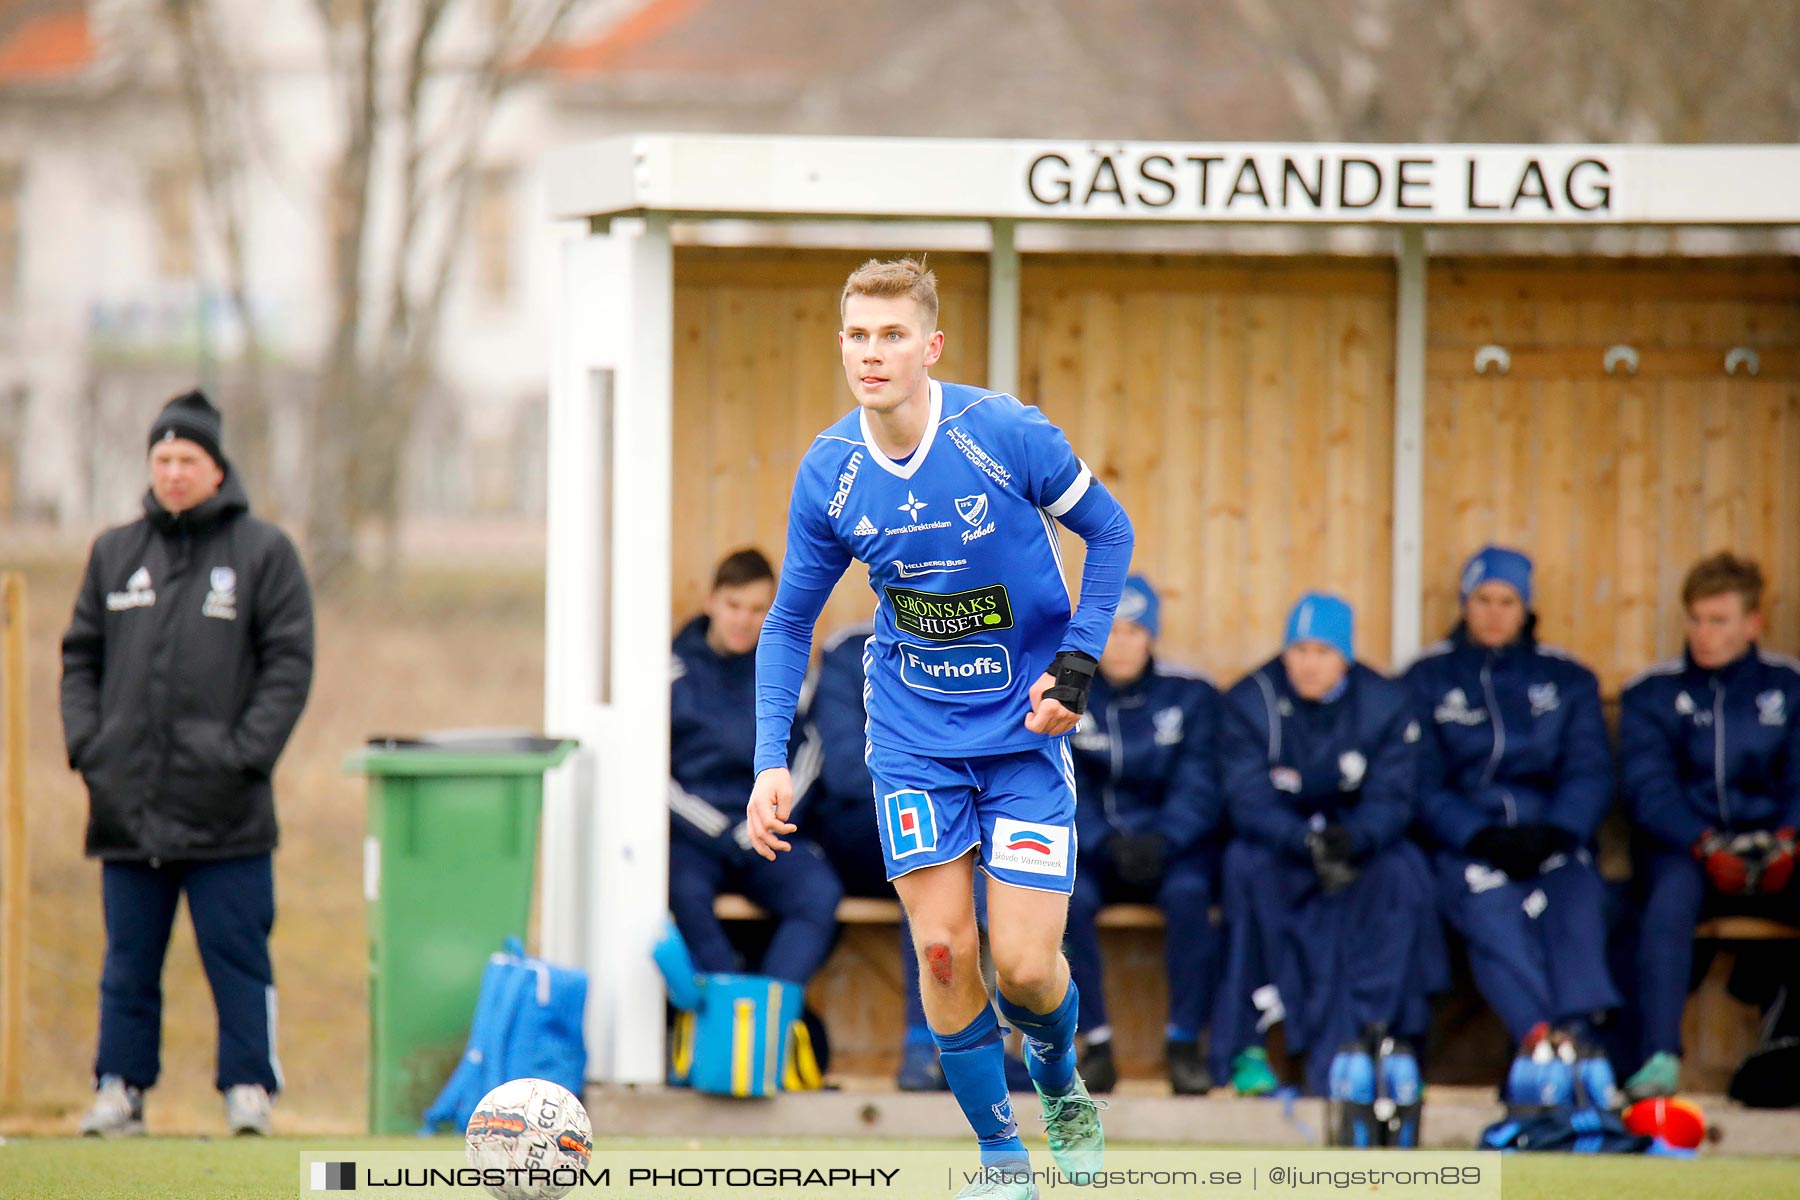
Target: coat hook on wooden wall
<point>1742,358</point>
<point>1492,356</point>
<point>1621,353</point>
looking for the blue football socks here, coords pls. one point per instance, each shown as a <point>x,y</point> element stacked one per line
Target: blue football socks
<point>974,1062</point>
<point>1049,1041</point>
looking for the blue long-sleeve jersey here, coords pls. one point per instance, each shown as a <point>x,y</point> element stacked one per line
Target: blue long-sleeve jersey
<point>1350,760</point>
<point>1146,759</point>
<point>1513,736</point>
<point>1712,749</point>
<point>961,544</point>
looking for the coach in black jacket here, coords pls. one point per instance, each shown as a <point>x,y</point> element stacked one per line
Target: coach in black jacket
<point>185,668</point>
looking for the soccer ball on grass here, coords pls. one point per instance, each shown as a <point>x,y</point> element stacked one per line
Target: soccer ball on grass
<point>536,1132</point>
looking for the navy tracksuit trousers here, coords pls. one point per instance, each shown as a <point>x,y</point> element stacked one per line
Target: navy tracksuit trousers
<point>232,904</point>
<point>1190,947</point>
<point>1537,947</point>
<point>797,889</point>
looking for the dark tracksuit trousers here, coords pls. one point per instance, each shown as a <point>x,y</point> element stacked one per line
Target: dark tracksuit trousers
<point>798,889</point>
<point>1536,946</point>
<point>1190,946</point>
<point>1676,897</point>
<point>1369,954</point>
<point>232,904</point>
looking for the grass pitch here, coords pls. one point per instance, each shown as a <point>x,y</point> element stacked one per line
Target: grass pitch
<point>264,1169</point>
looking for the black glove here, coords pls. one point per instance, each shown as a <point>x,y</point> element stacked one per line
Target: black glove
<point>1330,848</point>
<point>1519,850</point>
<point>1073,672</point>
<point>1139,858</point>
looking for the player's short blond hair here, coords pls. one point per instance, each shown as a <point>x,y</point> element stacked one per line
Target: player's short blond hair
<point>898,277</point>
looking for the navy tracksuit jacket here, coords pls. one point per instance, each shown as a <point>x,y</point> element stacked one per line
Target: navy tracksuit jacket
<point>1702,750</point>
<point>1515,736</point>
<point>1338,963</point>
<point>1146,763</point>
<point>712,747</point>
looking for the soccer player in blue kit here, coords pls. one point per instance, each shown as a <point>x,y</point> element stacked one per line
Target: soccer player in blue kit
<point>975,674</point>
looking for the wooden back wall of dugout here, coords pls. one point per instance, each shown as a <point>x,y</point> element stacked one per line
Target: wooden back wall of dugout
<point>1242,409</point>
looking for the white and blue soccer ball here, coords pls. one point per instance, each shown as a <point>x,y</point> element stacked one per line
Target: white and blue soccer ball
<point>537,1133</point>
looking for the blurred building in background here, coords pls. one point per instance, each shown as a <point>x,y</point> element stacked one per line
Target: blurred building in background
<point>330,211</point>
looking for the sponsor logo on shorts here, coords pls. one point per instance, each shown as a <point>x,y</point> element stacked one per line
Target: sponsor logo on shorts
<point>947,616</point>
<point>1034,847</point>
<point>911,822</point>
<point>956,670</point>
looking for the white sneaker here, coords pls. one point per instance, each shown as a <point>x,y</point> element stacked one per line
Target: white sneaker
<point>118,1110</point>
<point>247,1109</point>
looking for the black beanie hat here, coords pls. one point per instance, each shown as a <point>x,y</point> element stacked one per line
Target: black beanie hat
<point>191,416</point>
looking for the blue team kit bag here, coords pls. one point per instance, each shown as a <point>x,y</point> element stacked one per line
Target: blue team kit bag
<point>528,1024</point>
<point>734,1035</point>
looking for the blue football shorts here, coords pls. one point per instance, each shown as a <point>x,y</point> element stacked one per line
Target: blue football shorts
<point>1018,810</point>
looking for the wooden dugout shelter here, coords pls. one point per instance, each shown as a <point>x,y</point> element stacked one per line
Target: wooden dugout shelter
<point>1271,423</point>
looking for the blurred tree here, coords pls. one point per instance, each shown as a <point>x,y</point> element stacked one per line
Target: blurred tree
<point>223,122</point>
<point>417,92</point>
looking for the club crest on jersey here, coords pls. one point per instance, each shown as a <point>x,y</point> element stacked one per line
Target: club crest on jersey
<point>973,509</point>
<point>1543,698</point>
<point>911,822</point>
<point>1285,779</point>
<point>221,601</point>
<point>1036,847</point>
<point>1169,726</point>
<point>1771,708</point>
<point>1352,766</point>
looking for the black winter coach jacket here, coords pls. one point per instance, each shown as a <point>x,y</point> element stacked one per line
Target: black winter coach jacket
<point>185,668</point>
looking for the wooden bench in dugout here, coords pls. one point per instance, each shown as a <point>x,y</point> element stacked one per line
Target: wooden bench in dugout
<point>858,991</point>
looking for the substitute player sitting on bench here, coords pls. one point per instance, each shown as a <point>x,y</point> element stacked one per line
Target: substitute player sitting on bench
<point>1149,815</point>
<point>1328,912</point>
<point>1517,775</point>
<point>712,743</point>
<point>1711,750</point>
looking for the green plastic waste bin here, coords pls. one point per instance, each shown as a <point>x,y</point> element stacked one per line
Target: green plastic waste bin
<point>447,872</point>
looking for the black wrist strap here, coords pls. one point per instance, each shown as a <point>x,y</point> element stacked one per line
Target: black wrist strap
<point>1073,672</point>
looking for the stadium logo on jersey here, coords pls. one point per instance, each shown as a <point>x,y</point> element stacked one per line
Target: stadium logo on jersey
<point>911,507</point>
<point>1168,724</point>
<point>911,823</point>
<point>1771,708</point>
<point>972,451</point>
<point>955,670</point>
<point>937,566</point>
<point>1352,766</point>
<point>1455,710</point>
<point>1036,847</point>
<point>951,615</point>
<point>1543,698</point>
<point>973,509</point>
<point>864,527</point>
<point>845,481</point>
<point>137,594</point>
